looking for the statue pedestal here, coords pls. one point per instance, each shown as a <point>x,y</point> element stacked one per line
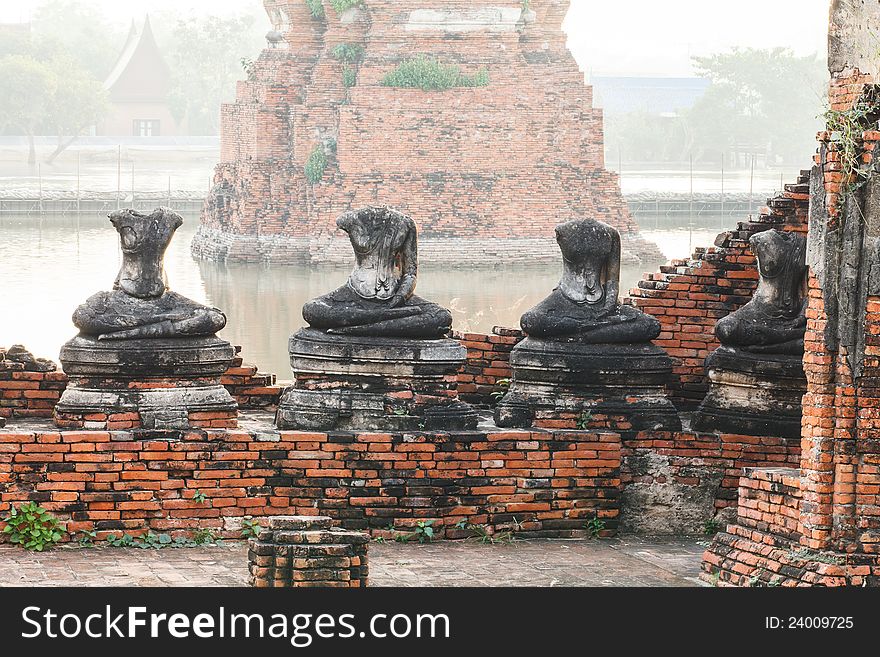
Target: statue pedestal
<point>366,383</point>
<point>558,382</point>
<point>147,384</point>
<point>752,394</point>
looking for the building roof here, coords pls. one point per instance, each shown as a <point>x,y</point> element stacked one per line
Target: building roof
<point>141,71</point>
<point>659,96</point>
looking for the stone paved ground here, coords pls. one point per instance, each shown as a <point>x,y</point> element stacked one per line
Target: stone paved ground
<point>626,561</point>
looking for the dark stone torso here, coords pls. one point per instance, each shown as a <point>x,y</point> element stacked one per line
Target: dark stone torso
<point>378,299</point>
<point>140,305</point>
<point>774,321</point>
<point>585,306</point>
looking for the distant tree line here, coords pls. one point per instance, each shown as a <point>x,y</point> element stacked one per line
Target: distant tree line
<point>51,80</point>
<point>765,103</point>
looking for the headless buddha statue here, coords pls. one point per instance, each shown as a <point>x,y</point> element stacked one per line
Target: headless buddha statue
<point>585,307</point>
<point>378,299</point>
<point>140,305</point>
<point>774,321</point>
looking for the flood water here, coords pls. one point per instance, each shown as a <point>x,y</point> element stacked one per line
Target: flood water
<point>51,264</point>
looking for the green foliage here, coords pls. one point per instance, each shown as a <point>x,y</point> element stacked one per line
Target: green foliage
<point>348,53</point>
<point>205,55</point>
<point>503,388</point>
<point>249,66</point>
<point>482,534</point>
<point>32,527</point>
<point>526,4</point>
<point>341,6</point>
<point>200,497</point>
<point>316,8</point>
<point>759,97</point>
<point>596,526</point>
<point>349,77</point>
<point>152,541</point>
<point>584,420</point>
<point>87,538</point>
<point>760,100</point>
<point>121,541</point>
<point>711,527</point>
<point>429,74</point>
<point>51,95</point>
<point>249,528</point>
<point>846,128</point>
<point>79,30</point>
<point>316,165</point>
<point>424,531</point>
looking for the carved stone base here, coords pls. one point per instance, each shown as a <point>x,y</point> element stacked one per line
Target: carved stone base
<point>149,384</point>
<point>383,384</point>
<point>559,382</point>
<point>752,394</point>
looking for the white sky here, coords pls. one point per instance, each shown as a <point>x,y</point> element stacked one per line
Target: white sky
<point>621,37</point>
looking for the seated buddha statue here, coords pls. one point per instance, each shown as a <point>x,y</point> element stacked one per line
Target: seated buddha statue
<point>774,321</point>
<point>585,307</point>
<point>378,299</point>
<point>140,304</point>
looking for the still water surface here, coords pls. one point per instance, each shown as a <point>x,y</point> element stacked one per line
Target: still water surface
<point>49,265</point>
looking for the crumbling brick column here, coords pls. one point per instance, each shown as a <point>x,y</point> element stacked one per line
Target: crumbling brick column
<point>306,551</point>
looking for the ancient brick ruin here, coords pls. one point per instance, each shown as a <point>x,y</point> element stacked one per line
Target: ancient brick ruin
<point>487,170</point>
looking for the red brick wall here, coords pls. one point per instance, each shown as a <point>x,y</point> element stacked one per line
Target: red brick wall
<point>701,463</point>
<point>488,362</point>
<point>546,483</point>
<point>28,394</point>
<point>252,389</point>
<point>509,160</point>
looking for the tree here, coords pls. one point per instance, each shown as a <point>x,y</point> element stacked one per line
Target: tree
<point>79,102</point>
<point>768,100</point>
<point>48,96</point>
<point>78,28</point>
<point>205,54</point>
<point>27,87</point>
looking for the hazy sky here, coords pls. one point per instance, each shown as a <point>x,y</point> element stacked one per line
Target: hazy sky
<point>624,37</point>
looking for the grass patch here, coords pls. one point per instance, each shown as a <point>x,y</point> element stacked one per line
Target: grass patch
<point>429,74</point>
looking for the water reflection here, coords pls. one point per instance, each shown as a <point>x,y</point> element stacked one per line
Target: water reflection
<point>50,265</point>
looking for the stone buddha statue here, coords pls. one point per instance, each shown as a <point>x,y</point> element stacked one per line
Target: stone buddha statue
<point>378,299</point>
<point>585,307</point>
<point>774,321</point>
<point>140,304</point>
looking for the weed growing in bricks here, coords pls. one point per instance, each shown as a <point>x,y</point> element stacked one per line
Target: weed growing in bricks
<point>205,537</point>
<point>341,6</point>
<point>482,534</point>
<point>316,8</point>
<point>348,53</point>
<point>429,74</point>
<point>200,497</point>
<point>596,526</point>
<point>152,541</point>
<point>249,528</point>
<point>250,68</point>
<point>349,77</point>
<point>32,527</point>
<point>425,531</point>
<point>87,538</point>
<point>803,554</point>
<point>584,420</point>
<point>316,165</point>
<point>846,128</point>
<point>711,527</point>
<point>503,386</point>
